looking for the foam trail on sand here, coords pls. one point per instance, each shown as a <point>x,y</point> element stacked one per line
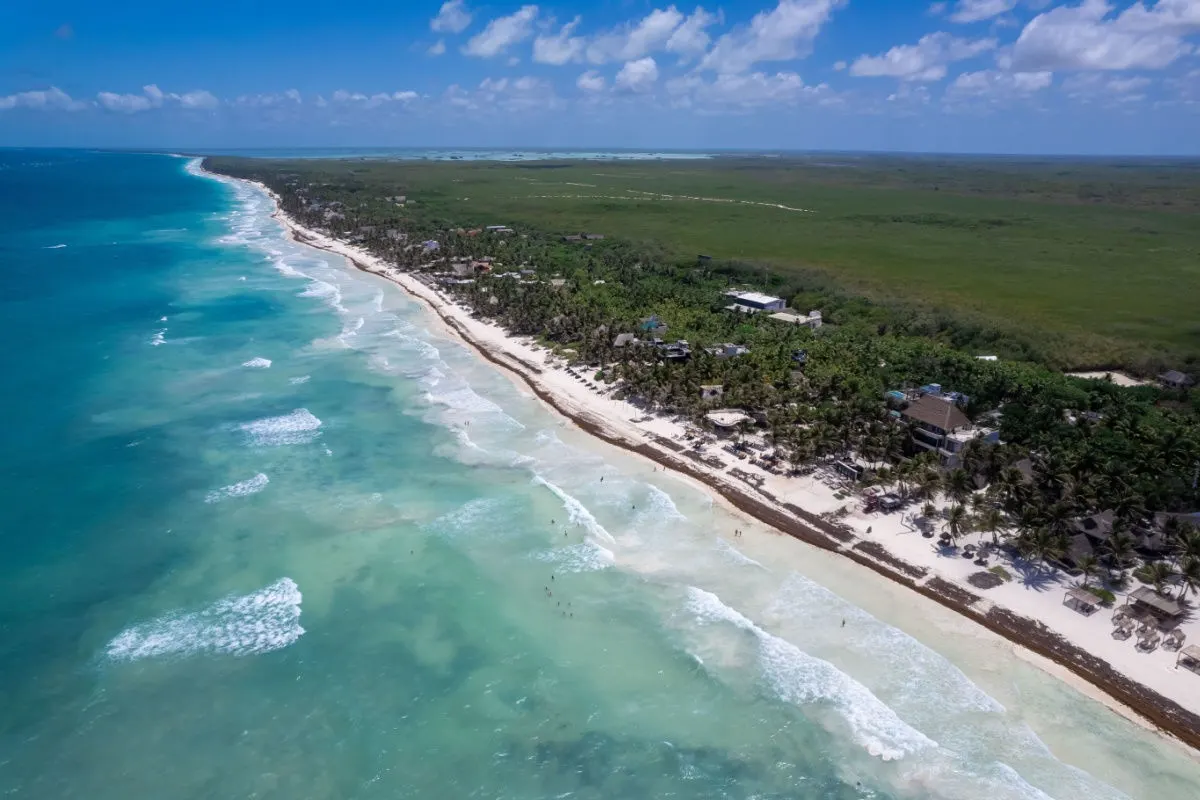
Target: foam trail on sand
<point>239,489</point>
<point>298,427</point>
<point>258,363</point>
<point>259,622</point>
<point>799,678</point>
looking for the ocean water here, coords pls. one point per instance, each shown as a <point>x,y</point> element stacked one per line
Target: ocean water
<point>268,532</point>
<point>470,154</point>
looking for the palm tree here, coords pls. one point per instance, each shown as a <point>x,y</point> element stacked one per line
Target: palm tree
<point>1089,565</point>
<point>1189,576</point>
<point>959,485</point>
<point>1042,544</point>
<point>1156,573</point>
<point>958,522</point>
<point>990,520</point>
<point>1119,547</point>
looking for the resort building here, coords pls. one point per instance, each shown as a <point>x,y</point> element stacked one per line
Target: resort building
<point>727,421</point>
<point>754,302</point>
<point>728,350</point>
<point>1174,379</point>
<point>940,426</point>
<point>811,320</point>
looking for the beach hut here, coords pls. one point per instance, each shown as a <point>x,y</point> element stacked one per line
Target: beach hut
<point>1081,600</point>
<point>1189,658</point>
<point>1145,602</point>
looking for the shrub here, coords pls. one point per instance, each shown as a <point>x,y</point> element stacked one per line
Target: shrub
<point>1105,597</point>
<point>1001,573</point>
<point>985,580</point>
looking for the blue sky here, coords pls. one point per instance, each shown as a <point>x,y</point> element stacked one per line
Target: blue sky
<point>997,76</point>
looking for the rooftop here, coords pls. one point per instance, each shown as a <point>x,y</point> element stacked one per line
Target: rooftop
<point>936,411</point>
<point>727,418</point>
<point>754,297</point>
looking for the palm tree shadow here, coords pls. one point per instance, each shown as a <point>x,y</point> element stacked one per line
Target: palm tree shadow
<point>1036,575</point>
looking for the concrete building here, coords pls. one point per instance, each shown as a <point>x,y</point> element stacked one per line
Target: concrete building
<point>754,302</point>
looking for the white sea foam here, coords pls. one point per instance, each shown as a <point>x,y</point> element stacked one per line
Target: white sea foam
<point>265,620</point>
<point>258,363</point>
<point>54,247</point>
<point>799,678</point>
<point>298,427</point>
<point>299,379</point>
<point>580,557</point>
<point>239,489</point>
<point>159,337</point>
<point>577,513</point>
<point>922,676</point>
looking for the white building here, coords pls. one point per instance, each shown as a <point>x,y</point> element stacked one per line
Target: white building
<point>753,302</point>
<point>812,320</point>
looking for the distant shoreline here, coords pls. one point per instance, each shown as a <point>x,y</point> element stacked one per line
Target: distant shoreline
<point>1118,691</point>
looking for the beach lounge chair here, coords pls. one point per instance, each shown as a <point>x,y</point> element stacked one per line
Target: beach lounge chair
<point>1175,639</point>
<point>1149,641</point>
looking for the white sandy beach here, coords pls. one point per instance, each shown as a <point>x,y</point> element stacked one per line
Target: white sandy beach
<point>1033,594</point>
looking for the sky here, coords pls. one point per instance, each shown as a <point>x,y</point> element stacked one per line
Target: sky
<point>1090,77</point>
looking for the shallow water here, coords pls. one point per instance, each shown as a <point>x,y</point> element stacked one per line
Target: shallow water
<point>271,533</point>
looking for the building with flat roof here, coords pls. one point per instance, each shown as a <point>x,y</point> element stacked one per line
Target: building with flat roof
<point>753,302</point>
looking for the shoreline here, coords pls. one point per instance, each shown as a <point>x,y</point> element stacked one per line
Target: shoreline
<point>1031,639</point>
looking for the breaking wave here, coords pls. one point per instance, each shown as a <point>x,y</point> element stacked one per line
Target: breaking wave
<point>245,625</point>
<point>298,427</point>
<point>241,489</point>
<point>799,678</point>
<point>258,363</point>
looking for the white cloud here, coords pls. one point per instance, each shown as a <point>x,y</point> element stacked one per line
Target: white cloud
<point>291,96</point>
<point>840,66</point>
<point>153,97</point>
<point>781,34</point>
<point>437,48</point>
<point>992,87</point>
<point>453,17</point>
<point>503,32</point>
<point>561,47</point>
<point>690,39</point>
<point>967,11</point>
<point>637,76</point>
<point>47,99</point>
<point>128,103</point>
<point>376,100</point>
<point>1088,37</point>
<point>1094,87</point>
<point>631,42</point>
<point>938,8</point>
<point>505,96</point>
<point>734,92</point>
<point>198,99</point>
<point>924,61</point>
<point>591,81</point>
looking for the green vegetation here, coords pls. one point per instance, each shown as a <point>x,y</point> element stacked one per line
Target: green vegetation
<point>1105,597</point>
<point>1071,448</point>
<point>1001,573</point>
<point>1076,265</point>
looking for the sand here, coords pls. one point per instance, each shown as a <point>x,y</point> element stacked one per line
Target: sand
<point>898,552</point>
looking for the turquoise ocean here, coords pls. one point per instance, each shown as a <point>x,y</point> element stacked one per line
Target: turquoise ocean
<point>268,532</point>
